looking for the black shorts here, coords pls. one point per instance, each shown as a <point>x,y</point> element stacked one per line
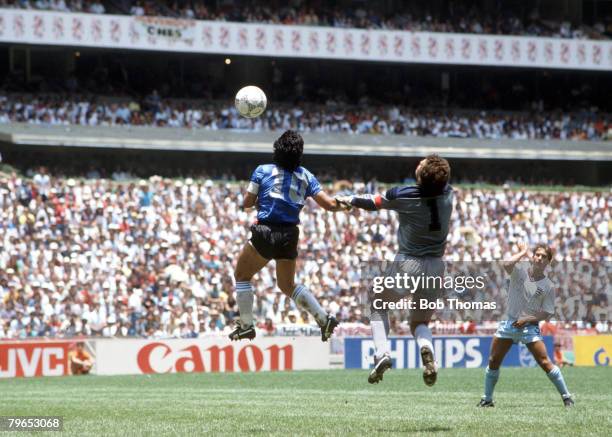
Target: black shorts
<point>275,241</point>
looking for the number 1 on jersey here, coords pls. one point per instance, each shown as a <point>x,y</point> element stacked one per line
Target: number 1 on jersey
<point>434,216</point>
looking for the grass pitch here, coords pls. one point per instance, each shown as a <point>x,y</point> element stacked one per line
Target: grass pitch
<point>337,402</point>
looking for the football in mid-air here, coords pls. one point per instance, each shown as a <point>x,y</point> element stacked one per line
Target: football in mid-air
<point>251,101</point>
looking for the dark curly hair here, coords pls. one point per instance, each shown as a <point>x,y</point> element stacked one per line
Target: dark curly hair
<point>434,175</point>
<point>288,149</point>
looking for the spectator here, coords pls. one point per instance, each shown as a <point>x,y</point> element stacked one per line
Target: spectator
<point>559,358</point>
<point>97,8</point>
<point>603,325</point>
<point>459,16</point>
<point>80,360</point>
<point>70,268</point>
<point>313,118</point>
<point>468,327</point>
<point>42,183</point>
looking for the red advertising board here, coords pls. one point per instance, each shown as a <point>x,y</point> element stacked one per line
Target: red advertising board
<point>19,359</point>
<point>140,356</point>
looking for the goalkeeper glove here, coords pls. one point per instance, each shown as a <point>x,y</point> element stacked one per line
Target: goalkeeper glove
<point>344,202</point>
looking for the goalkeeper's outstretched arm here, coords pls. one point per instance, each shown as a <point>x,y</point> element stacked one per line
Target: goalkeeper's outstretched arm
<point>327,202</point>
<point>369,202</point>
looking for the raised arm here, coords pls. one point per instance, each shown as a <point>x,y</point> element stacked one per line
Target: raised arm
<point>328,203</point>
<point>509,265</point>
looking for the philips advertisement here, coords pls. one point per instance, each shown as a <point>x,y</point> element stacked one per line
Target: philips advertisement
<point>455,351</point>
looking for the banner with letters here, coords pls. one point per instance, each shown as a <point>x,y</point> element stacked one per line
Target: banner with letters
<point>34,358</point>
<point>593,350</point>
<point>453,351</point>
<point>167,34</point>
<point>140,356</point>
<point>170,29</point>
<point>209,354</point>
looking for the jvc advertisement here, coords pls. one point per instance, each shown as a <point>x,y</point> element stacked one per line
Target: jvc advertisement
<point>455,351</point>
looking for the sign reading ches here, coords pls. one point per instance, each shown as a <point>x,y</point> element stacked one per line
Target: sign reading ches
<point>211,354</point>
<point>27,359</point>
<point>257,39</point>
<point>170,28</point>
<point>457,351</point>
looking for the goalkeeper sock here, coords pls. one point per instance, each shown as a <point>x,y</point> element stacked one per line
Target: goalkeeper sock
<point>556,378</point>
<point>306,301</point>
<point>244,297</point>
<point>423,337</point>
<point>491,377</point>
<point>379,320</point>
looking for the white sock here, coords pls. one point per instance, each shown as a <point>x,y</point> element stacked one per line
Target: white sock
<point>423,337</point>
<point>244,297</point>
<point>379,332</point>
<point>306,301</point>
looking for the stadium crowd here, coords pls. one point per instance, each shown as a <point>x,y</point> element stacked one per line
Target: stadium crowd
<point>153,111</point>
<point>155,257</point>
<point>460,16</point>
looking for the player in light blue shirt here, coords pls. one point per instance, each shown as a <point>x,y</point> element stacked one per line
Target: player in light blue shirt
<point>279,191</point>
<point>531,299</point>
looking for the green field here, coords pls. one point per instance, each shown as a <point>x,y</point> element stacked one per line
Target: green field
<point>337,402</point>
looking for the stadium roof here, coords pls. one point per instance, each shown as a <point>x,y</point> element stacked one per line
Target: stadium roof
<point>153,138</point>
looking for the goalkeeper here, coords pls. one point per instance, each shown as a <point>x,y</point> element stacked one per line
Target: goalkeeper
<point>424,213</point>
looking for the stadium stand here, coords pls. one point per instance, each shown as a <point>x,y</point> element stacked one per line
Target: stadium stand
<point>110,255</point>
<point>461,17</point>
<point>58,110</point>
<point>154,258</point>
<point>124,167</point>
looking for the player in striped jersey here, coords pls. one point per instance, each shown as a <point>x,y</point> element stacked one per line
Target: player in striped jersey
<point>279,190</point>
<point>531,299</point>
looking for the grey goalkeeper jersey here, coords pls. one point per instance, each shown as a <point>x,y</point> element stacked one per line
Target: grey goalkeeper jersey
<point>423,221</point>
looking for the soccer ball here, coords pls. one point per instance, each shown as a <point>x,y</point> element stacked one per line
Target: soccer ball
<point>251,101</point>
